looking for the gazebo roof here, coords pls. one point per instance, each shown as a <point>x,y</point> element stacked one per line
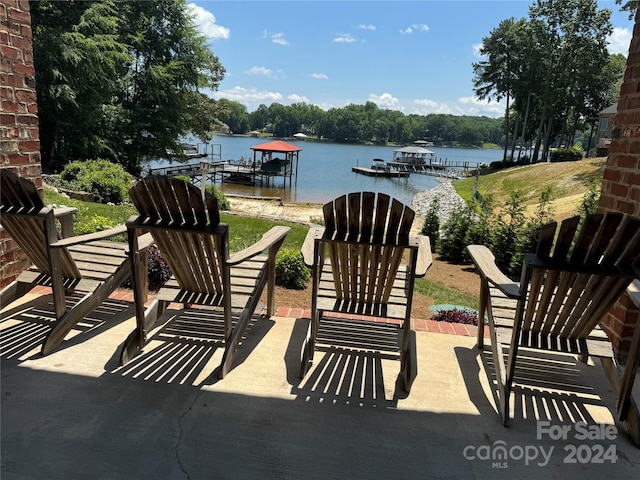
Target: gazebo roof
<point>414,150</point>
<point>276,146</point>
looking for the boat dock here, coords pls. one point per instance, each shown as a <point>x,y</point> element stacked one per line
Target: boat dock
<point>262,170</point>
<point>434,169</point>
<point>388,173</point>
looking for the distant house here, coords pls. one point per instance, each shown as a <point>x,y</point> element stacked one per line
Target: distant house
<point>605,130</point>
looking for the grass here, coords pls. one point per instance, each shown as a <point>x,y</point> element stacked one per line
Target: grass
<point>568,181</point>
<point>442,294</point>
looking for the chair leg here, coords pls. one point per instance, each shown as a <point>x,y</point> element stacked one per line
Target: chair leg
<point>13,291</point>
<point>410,370</point>
<point>484,295</point>
<point>309,345</point>
<point>504,382</point>
<point>233,340</point>
<point>135,341</point>
<point>89,302</point>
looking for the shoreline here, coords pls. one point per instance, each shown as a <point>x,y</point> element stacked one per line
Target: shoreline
<point>310,214</point>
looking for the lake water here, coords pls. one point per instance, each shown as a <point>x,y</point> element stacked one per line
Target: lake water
<point>324,170</point>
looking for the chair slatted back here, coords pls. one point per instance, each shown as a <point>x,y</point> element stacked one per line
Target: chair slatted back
<point>186,229</point>
<point>31,224</point>
<point>366,238</point>
<point>568,293</point>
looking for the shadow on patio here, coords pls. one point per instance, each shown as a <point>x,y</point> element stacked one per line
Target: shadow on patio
<point>75,414</point>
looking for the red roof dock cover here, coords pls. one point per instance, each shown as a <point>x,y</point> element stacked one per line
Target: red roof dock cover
<point>267,150</point>
<point>276,146</point>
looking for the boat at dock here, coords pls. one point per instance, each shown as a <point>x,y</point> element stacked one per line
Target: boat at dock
<point>380,169</point>
<point>417,159</point>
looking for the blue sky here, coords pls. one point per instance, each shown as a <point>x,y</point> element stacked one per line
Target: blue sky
<point>411,56</point>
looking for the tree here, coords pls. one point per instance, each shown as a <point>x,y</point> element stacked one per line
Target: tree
<point>120,80</point>
<point>493,76</point>
<point>236,116</point>
<point>169,61</point>
<point>78,59</point>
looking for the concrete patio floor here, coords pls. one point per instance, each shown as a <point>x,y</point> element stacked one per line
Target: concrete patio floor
<point>165,415</point>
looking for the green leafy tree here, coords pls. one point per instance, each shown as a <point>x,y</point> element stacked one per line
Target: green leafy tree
<point>169,61</point>
<point>236,117</point>
<point>120,80</point>
<point>78,59</point>
<point>493,76</point>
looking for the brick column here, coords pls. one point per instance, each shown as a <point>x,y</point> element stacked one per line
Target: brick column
<point>19,137</point>
<point>621,185</point>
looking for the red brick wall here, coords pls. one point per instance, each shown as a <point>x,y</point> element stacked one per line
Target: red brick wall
<point>621,182</point>
<point>19,138</point>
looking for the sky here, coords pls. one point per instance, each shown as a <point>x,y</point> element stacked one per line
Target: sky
<point>412,56</point>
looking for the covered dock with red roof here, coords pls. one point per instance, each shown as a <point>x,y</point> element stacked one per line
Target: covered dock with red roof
<point>277,158</point>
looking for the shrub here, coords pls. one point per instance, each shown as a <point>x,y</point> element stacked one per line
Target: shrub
<point>157,269</point>
<point>184,178</point>
<point>291,272</point>
<point>223,202</point>
<point>565,154</point>
<point>456,315</point>
<point>158,272</point>
<point>505,232</point>
<point>527,237</point>
<point>431,226</point>
<point>452,243</point>
<point>589,202</point>
<point>107,181</point>
<point>95,223</point>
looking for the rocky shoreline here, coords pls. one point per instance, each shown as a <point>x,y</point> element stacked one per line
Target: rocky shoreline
<point>445,193</point>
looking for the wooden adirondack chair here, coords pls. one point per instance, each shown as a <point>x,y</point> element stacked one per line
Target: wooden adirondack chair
<point>188,232</point>
<point>84,263</point>
<point>365,239</point>
<point>561,298</point>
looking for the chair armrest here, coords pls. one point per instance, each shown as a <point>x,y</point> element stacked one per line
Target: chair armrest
<point>65,216</point>
<point>144,241</point>
<point>90,237</point>
<point>273,238</point>
<point>486,265</point>
<point>424,256</point>
<point>309,244</point>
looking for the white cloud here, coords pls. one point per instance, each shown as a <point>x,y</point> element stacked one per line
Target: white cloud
<point>482,107</point>
<point>424,107</point>
<point>619,41</point>
<point>476,50</point>
<point>263,71</point>
<point>344,38</point>
<point>205,22</point>
<point>295,98</point>
<point>416,27</point>
<point>279,39</point>
<point>463,106</point>
<point>366,27</point>
<point>319,76</point>
<point>386,100</point>
<point>250,97</point>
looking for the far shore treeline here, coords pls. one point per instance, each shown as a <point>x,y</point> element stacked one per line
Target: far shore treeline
<point>125,81</point>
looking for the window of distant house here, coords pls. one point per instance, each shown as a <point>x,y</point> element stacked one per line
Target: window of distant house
<point>604,124</point>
